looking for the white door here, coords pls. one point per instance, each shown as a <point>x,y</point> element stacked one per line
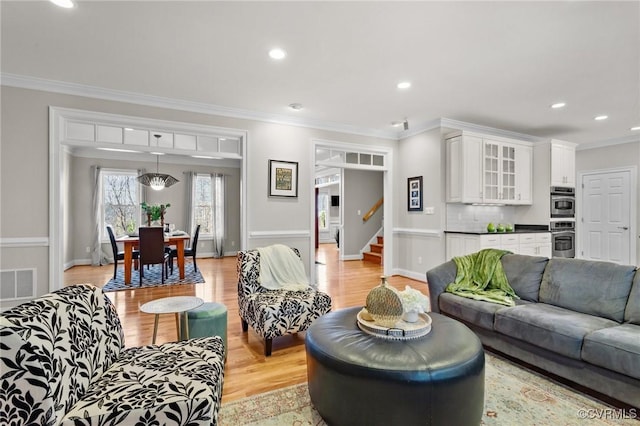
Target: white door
<point>606,217</point>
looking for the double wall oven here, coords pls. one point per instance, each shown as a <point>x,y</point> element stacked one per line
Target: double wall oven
<point>563,222</point>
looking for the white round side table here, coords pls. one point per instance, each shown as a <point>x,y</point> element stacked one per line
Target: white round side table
<point>178,305</point>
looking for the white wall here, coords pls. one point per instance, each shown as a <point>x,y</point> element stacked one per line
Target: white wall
<point>418,237</point>
<point>362,189</point>
<point>24,173</point>
<point>79,236</point>
<point>611,157</point>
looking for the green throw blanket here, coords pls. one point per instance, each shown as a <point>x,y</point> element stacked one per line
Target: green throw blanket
<point>481,277</point>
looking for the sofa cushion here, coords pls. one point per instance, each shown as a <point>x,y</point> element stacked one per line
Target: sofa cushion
<point>173,383</point>
<point>476,312</point>
<point>615,348</point>
<point>524,274</point>
<point>550,327</point>
<point>632,312</point>
<point>595,288</point>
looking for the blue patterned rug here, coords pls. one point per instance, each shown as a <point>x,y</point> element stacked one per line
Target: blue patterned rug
<point>152,278</point>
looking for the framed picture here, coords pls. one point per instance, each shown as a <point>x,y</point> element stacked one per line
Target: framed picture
<point>283,178</point>
<point>414,193</point>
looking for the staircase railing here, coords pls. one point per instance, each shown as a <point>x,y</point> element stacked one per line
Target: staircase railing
<point>373,210</point>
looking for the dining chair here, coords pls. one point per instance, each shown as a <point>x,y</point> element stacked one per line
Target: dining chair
<point>188,251</point>
<point>119,255</point>
<point>152,250</point>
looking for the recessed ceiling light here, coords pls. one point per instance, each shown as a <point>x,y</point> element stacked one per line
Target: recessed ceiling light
<point>277,53</point>
<point>396,123</point>
<point>635,128</point>
<point>296,106</point>
<point>601,117</point>
<point>404,85</point>
<point>67,4</point>
<point>558,105</point>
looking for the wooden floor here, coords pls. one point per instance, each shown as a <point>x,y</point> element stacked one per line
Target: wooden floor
<point>247,371</point>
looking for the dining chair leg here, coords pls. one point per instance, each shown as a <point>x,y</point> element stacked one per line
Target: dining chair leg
<point>115,268</point>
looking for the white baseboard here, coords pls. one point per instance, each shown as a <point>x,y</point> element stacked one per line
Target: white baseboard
<point>76,262</point>
<point>418,276</point>
<point>352,257</point>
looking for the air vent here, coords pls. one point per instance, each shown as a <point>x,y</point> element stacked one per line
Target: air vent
<point>16,284</point>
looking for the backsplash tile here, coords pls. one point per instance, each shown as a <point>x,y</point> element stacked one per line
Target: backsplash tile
<point>470,218</point>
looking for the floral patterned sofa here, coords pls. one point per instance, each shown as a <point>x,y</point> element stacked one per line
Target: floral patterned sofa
<point>63,363</point>
<point>274,313</point>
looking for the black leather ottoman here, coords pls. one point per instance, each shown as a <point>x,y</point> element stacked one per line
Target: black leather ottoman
<point>358,379</point>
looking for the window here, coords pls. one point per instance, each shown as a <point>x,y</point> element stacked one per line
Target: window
<point>208,203</point>
<point>203,203</point>
<point>120,201</point>
<point>323,211</point>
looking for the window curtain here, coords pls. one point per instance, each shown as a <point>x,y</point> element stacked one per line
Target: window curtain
<point>143,199</point>
<point>217,187</point>
<point>98,256</point>
<point>188,202</point>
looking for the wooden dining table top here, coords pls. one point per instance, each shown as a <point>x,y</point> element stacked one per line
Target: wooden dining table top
<point>174,238</point>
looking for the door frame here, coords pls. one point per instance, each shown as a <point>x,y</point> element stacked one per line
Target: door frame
<point>387,170</point>
<point>633,213</point>
<point>59,144</point>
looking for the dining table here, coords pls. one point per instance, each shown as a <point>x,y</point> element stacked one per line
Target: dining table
<point>176,239</point>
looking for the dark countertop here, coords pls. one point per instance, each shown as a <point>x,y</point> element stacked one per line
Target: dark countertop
<point>519,229</point>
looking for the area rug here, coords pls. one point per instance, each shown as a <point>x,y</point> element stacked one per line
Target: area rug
<point>513,396</point>
<point>153,278</point>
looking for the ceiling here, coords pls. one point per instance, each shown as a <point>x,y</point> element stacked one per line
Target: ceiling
<point>495,64</point>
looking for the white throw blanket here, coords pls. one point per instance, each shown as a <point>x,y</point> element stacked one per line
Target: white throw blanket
<point>281,268</point>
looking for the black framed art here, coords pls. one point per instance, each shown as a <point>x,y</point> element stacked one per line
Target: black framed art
<point>414,193</point>
<point>283,178</point>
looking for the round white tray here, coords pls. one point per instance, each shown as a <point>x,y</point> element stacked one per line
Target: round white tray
<point>402,331</point>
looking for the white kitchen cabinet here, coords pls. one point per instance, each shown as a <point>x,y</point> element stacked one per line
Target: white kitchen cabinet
<point>461,244</point>
<point>488,170</point>
<point>524,175</point>
<point>563,164</point>
<point>464,169</point>
<point>532,244</point>
<point>537,244</point>
<point>499,172</point>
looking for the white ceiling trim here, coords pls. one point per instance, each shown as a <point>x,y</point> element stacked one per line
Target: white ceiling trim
<point>55,86</point>
<point>610,142</point>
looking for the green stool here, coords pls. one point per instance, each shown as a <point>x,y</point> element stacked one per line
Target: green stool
<point>209,319</point>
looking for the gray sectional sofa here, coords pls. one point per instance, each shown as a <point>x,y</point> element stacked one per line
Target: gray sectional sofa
<point>577,319</point>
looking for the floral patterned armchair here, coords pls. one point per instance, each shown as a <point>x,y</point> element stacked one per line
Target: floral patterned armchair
<point>63,363</point>
<point>274,313</point>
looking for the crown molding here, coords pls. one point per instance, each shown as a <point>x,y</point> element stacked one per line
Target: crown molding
<point>56,86</point>
<point>609,142</point>
<point>461,125</point>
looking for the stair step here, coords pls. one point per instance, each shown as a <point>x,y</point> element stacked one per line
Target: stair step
<point>376,248</point>
<point>380,239</point>
<point>372,257</point>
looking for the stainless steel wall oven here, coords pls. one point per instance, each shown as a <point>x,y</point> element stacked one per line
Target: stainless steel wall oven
<point>563,238</point>
<point>563,202</point>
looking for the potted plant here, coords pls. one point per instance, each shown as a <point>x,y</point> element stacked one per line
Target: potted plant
<point>155,212</point>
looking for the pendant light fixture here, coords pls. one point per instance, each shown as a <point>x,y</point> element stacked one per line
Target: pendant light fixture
<point>157,180</point>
